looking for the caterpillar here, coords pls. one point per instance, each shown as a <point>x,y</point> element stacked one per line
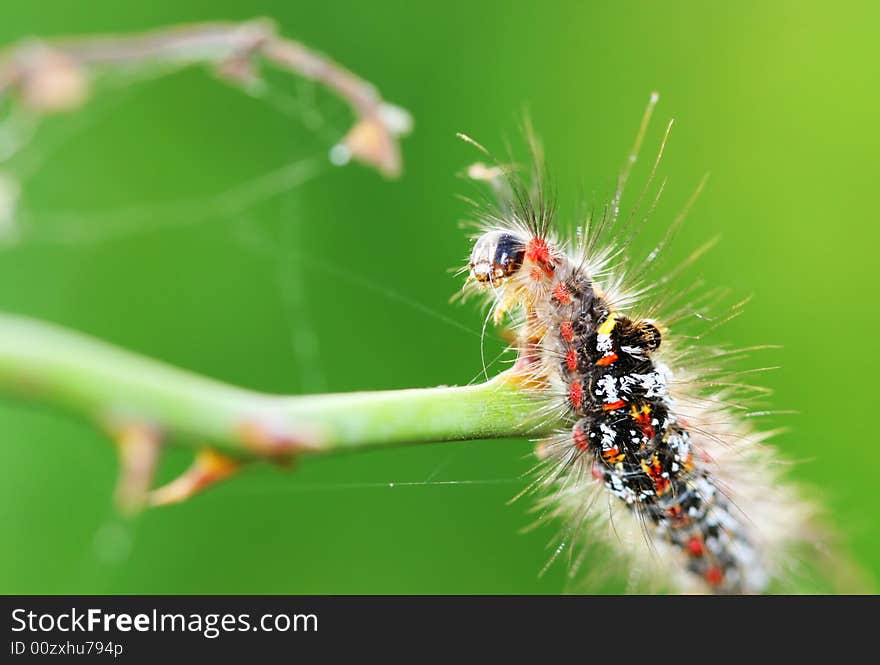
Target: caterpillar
<point>655,460</point>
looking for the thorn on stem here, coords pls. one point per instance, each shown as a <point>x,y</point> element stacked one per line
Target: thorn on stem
<point>208,468</point>
<point>139,447</point>
<point>374,143</point>
<point>49,81</point>
<point>276,443</point>
<point>240,70</point>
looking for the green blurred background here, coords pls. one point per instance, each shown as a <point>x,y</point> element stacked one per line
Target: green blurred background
<point>312,290</point>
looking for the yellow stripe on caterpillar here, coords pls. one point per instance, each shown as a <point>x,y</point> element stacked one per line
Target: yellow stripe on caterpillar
<point>607,325</point>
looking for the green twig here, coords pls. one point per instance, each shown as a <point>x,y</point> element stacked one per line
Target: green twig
<point>119,390</point>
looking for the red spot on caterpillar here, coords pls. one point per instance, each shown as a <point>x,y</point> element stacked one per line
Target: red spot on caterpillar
<point>576,394</point>
<point>571,360</point>
<point>561,293</point>
<point>596,472</point>
<point>607,360</point>
<point>536,274</point>
<point>566,329</point>
<point>613,406</point>
<point>714,576</point>
<point>580,438</point>
<point>655,472</point>
<point>695,546</point>
<point>538,252</point>
<point>643,418</point>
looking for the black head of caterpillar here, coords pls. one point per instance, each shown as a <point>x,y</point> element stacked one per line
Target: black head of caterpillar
<point>496,256</point>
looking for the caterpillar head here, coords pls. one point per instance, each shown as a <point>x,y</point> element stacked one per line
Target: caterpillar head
<point>496,257</point>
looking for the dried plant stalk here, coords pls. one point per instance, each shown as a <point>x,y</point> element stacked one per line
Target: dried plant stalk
<point>53,76</point>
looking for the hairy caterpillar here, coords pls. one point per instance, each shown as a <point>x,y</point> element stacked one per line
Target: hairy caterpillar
<point>656,460</point>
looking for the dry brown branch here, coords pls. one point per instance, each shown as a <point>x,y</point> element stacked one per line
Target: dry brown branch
<point>53,76</point>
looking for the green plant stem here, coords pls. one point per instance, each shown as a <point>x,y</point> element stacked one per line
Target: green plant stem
<point>118,389</point>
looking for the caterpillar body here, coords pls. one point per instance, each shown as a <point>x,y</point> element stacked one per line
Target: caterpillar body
<point>693,494</point>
